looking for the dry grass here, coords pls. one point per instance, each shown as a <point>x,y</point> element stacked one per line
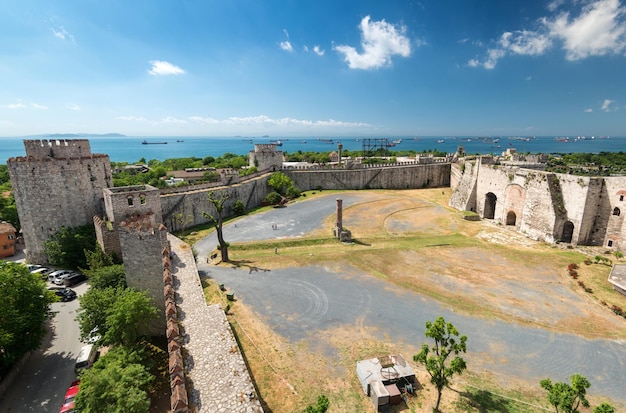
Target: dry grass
<point>413,240</point>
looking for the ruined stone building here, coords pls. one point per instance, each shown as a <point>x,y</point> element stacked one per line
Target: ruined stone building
<point>551,207</point>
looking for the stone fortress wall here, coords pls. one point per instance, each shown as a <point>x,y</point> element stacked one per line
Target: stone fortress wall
<point>545,206</point>
<point>58,183</point>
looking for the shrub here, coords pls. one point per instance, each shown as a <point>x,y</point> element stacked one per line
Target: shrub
<point>292,192</point>
<point>239,208</point>
<point>587,261</point>
<point>273,198</point>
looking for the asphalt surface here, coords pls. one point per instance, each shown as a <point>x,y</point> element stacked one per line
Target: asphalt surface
<point>41,384</point>
<point>310,303</point>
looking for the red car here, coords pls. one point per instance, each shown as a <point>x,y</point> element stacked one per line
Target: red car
<point>70,395</point>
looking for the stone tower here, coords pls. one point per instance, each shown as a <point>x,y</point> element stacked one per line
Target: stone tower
<point>58,183</point>
<point>265,156</point>
<point>134,213</point>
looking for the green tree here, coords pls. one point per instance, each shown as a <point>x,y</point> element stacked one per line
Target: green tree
<point>567,398</point>
<point>66,247</point>
<point>218,202</point>
<point>280,182</point>
<point>93,309</point>
<point>273,198</point>
<point>435,358</point>
<point>109,276</point>
<point>25,306</point>
<point>239,208</point>
<point>604,408</point>
<point>129,318</point>
<point>320,407</point>
<point>118,381</point>
<point>98,258</point>
<point>8,211</point>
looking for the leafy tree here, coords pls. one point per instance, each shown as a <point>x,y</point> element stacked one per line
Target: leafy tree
<point>435,358</point>
<point>218,202</point>
<point>320,407</point>
<point>118,381</point>
<point>8,211</point>
<point>280,182</point>
<point>93,309</point>
<point>604,408</point>
<point>66,247</point>
<point>273,198</point>
<point>128,318</point>
<point>292,192</point>
<point>98,258</point>
<point>109,276</point>
<point>567,398</point>
<point>25,306</point>
<point>239,208</point>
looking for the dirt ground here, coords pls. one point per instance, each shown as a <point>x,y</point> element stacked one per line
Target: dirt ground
<point>412,240</point>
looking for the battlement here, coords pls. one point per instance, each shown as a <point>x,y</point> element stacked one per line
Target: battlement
<point>57,148</point>
<point>264,147</point>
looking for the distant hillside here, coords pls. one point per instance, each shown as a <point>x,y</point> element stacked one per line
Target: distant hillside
<point>82,135</point>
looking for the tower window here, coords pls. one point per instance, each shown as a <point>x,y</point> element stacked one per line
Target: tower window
<point>130,201</point>
<point>616,211</point>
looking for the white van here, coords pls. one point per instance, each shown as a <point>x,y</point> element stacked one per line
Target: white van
<point>86,358</point>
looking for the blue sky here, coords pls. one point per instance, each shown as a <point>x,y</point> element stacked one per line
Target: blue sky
<point>313,68</point>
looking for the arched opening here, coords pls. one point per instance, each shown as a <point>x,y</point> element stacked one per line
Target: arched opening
<point>510,218</point>
<point>568,232</point>
<point>490,205</point>
<point>616,211</point>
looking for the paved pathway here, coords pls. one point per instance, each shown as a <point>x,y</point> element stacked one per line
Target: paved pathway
<point>220,379</point>
<point>304,303</point>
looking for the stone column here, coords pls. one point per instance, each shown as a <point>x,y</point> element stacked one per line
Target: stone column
<point>339,148</point>
<point>339,223</point>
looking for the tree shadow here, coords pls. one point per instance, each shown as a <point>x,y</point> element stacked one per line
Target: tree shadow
<point>239,264</point>
<point>482,400</point>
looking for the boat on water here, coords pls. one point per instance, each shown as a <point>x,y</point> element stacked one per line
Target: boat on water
<point>441,140</point>
<point>277,143</point>
<point>179,140</point>
<point>397,141</point>
<point>154,143</point>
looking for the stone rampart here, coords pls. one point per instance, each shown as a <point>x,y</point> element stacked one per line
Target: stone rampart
<point>57,148</point>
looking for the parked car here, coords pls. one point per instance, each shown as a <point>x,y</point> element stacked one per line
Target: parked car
<point>42,271</point>
<point>93,336</point>
<point>74,278</point>
<point>64,293</point>
<point>32,267</point>
<point>70,395</point>
<point>58,276</point>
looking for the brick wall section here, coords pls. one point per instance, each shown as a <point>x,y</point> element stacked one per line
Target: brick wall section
<point>57,183</point>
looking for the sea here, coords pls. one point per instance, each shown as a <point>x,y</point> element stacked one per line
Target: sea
<point>131,148</point>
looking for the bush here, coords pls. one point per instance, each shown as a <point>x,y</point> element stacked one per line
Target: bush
<point>239,208</point>
<point>273,198</point>
<point>292,192</point>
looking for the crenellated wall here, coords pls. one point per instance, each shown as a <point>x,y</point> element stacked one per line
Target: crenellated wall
<point>543,205</point>
<point>58,183</point>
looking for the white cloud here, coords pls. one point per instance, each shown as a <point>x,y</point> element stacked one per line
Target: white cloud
<point>599,30</point>
<point>286,46</point>
<point>606,105</point>
<point>63,34</point>
<point>379,41</point>
<point>139,119</point>
<point>171,119</point>
<point>18,105</point>
<point>72,106</point>
<point>318,51</point>
<point>263,121</point>
<point>163,68</point>
<point>588,110</point>
<point>37,106</point>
